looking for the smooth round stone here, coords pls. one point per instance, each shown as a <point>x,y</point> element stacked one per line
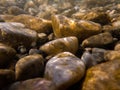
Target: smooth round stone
<point>6,77</point>
<point>14,34</point>
<point>30,66</point>
<point>98,40</point>
<point>32,84</point>
<point>103,76</point>
<point>60,45</point>
<point>64,70</point>
<point>82,29</point>
<point>6,55</point>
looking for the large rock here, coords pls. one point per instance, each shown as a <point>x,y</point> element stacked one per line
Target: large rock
<point>29,67</point>
<point>32,84</point>
<point>15,34</point>
<point>63,26</point>
<point>64,70</point>
<point>34,23</point>
<point>6,77</point>
<point>103,76</point>
<point>60,45</point>
<point>6,55</point>
<point>98,40</point>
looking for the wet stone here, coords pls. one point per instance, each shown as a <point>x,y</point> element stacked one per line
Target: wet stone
<point>97,17</point>
<point>34,51</point>
<point>63,27</point>
<point>14,34</point>
<point>15,10</point>
<point>60,45</point>
<point>36,24</point>
<point>6,55</point>
<point>6,77</point>
<point>117,46</point>
<point>112,55</point>
<point>64,70</point>
<point>30,66</point>
<point>99,40</point>
<point>32,84</point>
<point>103,76</point>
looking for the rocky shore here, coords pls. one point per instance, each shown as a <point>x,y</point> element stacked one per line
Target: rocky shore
<point>59,45</point>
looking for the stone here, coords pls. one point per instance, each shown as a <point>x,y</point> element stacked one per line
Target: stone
<point>99,40</point>
<point>60,45</point>
<point>6,55</point>
<point>15,34</point>
<point>112,55</point>
<point>117,47</point>
<point>46,10</point>
<point>42,38</point>
<point>104,76</point>
<point>64,70</point>
<point>37,24</point>
<point>63,27</point>
<point>6,77</point>
<point>32,84</point>
<point>15,10</point>
<point>30,66</point>
<point>34,51</point>
<point>97,17</point>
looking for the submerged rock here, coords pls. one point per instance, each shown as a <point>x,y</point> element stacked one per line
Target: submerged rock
<point>29,67</point>
<point>98,17</point>
<point>60,45</point>
<point>6,55</point>
<point>64,70</point>
<point>112,55</point>
<point>14,10</point>
<point>63,26</point>
<point>32,84</point>
<point>6,77</point>
<point>37,24</point>
<point>103,76</point>
<point>98,40</point>
<point>14,34</point>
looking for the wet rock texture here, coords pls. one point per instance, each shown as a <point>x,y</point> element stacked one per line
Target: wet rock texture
<point>59,44</point>
<point>29,67</point>
<point>103,77</point>
<point>32,84</point>
<point>64,70</point>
